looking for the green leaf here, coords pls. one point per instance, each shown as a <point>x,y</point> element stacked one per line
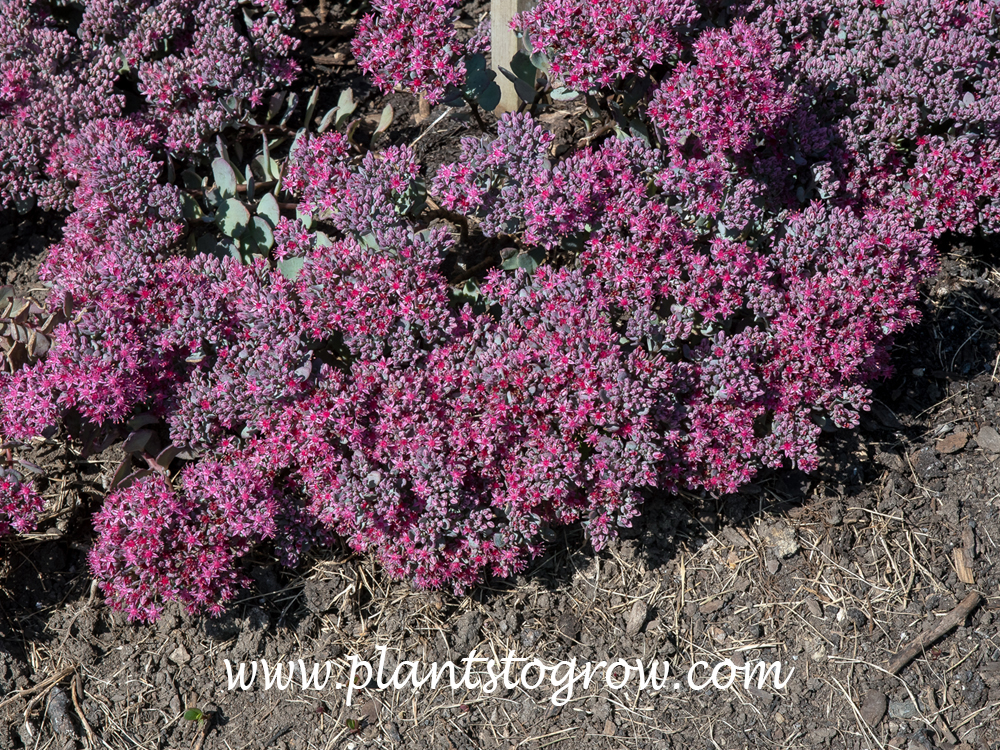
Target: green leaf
<point>268,208</point>
<point>345,106</point>
<point>264,168</point>
<point>304,217</point>
<point>524,69</point>
<point>323,240</point>
<point>540,61</point>
<point>327,120</point>
<point>259,234</point>
<point>165,457</point>
<point>561,94</point>
<point>290,268</point>
<point>225,177</point>
<point>213,197</point>
<point>192,211</point>
<point>38,343</point>
<point>524,90</point>
<point>137,441</point>
<point>311,106</point>
<point>477,83</point>
<point>142,420</point>
<point>386,119</point>
<point>293,102</point>
<point>232,217</point>
<point>475,62</point>
<point>274,105</point>
<point>528,261</point>
<point>490,98</point>
<point>639,130</point>
<point>191,179</point>
<point>452,97</point>
<point>194,714</point>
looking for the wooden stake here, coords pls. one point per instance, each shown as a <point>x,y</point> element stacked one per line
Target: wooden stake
<point>504,45</point>
<point>423,110</point>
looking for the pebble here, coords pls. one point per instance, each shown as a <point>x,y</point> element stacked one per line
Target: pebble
<point>636,618</point>
<point>953,443</point>
<point>180,656</point>
<point>989,440</point>
<point>873,707</point>
<point>902,709</point>
<point>782,540</point>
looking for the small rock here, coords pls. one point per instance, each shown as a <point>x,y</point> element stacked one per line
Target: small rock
<point>953,443</point>
<point>610,730</point>
<point>782,540</point>
<point>902,709</point>
<point>873,707</point>
<point>989,440</point>
<point>180,656</point>
<point>467,631</point>
<point>815,608</point>
<point>636,618</point>
<point>773,566</point>
<point>58,713</point>
<point>919,740</point>
<point>816,649</point>
<point>925,462</point>
<point>569,625</point>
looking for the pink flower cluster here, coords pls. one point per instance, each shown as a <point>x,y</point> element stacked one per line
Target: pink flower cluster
<point>199,66</point>
<point>20,502</point>
<point>368,198</point>
<point>748,334</point>
<point>412,45</point>
<point>727,96</point>
<point>161,540</point>
<point>594,44</point>
<point>909,93</point>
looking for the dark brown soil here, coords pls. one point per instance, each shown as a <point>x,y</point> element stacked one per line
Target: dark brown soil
<point>829,574</point>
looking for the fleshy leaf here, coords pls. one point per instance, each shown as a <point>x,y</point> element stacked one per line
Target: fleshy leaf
<point>268,208</point>
<point>233,218</point>
<point>225,177</point>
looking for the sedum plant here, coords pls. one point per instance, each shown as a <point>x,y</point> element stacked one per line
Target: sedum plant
<point>441,367</point>
<point>194,67</point>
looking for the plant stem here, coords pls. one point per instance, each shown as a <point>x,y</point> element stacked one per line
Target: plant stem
<point>476,115</point>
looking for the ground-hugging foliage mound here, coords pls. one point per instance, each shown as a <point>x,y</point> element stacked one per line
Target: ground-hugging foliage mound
<point>689,295</point>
